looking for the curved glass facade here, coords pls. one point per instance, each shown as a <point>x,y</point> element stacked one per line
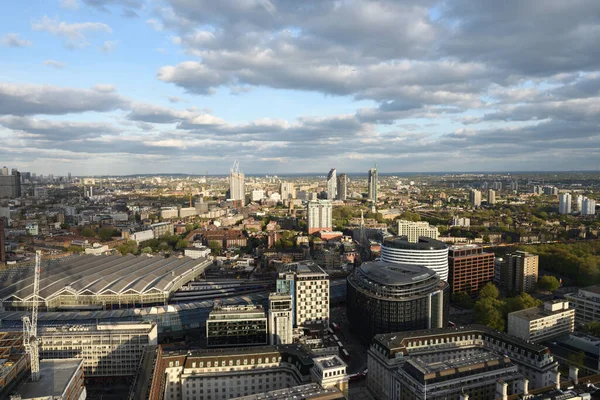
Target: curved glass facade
<point>385,297</point>
<point>427,252</point>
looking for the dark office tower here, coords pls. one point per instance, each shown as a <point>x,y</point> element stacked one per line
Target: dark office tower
<point>2,244</point>
<point>373,182</point>
<point>470,268</point>
<point>520,272</point>
<point>10,185</point>
<point>342,189</point>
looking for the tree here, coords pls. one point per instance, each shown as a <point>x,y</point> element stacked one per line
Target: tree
<point>576,358</point>
<point>489,291</point>
<point>181,244</point>
<point>107,233</point>
<point>488,311</point>
<point>462,299</point>
<point>593,328</point>
<point>520,302</point>
<point>88,232</point>
<point>548,283</point>
<point>129,246</point>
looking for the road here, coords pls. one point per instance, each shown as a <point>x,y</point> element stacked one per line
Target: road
<point>357,349</point>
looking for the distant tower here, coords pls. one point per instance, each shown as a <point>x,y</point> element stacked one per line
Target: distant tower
<point>491,197</point>
<point>236,183</point>
<point>331,184</point>
<point>5,170</point>
<point>2,245</point>
<point>342,187</point>
<point>373,182</point>
<point>319,216</point>
<point>564,203</point>
<point>475,197</point>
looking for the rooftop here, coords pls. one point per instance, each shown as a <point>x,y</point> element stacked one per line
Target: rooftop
<point>308,391</point>
<point>424,243</point>
<point>534,313</point>
<point>592,289</point>
<point>329,362</point>
<point>393,274</point>
<point>304,267</point>
<point>55,376</point>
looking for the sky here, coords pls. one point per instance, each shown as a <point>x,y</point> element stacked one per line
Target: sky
<point>119,87</point>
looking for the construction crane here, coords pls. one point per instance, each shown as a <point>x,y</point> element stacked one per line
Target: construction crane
<point>30,338</point>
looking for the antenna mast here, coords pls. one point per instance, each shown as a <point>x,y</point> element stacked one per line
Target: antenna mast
<point>30,340</point>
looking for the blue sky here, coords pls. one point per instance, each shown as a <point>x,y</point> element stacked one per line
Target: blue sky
<point>131,86</point>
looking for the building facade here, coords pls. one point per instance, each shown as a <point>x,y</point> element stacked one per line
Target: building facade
<point>281,318</point>
<point>537,324</point>
<point>588,206</point>
<point>106,349</point>
<point>491,197</point>
<point>520,271</point>
<point>414,230</point>
<point>564,203</point>
<point>425,252</point>
<point>342,187</point>
<point>308,285</point>
<point>237,190</point>
<point>287,190</point>
<point>240,325</point>
<point>469,268</point>
<point>373,184</point>
<point>387,297</point>
<point>10,185</point>
<point>475,198</point>
<point>586,302</point>
<point>331,184</point>
<point>319,215</point>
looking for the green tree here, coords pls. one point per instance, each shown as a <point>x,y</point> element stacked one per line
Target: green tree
<point>107,233</point>
<point>489,291</point>
<point>548,283</point>
<point>576,358</point>
<point>521,302</point>
<point>129,246</point>
<point>462,299</point>
<point>181,244</point>
<point>88,232</point>
<point>593,328</point>
<point>488,311</point>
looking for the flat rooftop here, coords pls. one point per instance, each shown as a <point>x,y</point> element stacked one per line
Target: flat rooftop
<point>329,362</point>
<point>393,274</point>
<point>305,267</point>
<point>424,243</point>
<point>55,376</point>
<point>592,289</point>
<point>308,391</point>
<point>534,313</point>
<point>458,361</point>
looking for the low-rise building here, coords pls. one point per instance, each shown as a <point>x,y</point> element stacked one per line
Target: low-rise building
<point>329,372</point>
<point>586,302</point>
<point>236,326</point>
<point>59,380</point>
<point>161,229</point>
<point>197,252</point>
<point>537,324</point>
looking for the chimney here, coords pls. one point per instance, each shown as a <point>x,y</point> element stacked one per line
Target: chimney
<point>523,386</point>
<point>502,390</point>
<point>574,374</point>
<point>557,380</point>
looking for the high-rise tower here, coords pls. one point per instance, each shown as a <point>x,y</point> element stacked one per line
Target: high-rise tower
<point>342,187</point>
<point>236,183</point>
<point>373,181</point>
<point>331,184</point>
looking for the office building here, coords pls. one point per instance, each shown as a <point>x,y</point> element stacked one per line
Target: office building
<point>538,324</point>
<point>586,302</point>
<point>342,187</point>
<point>373,183</point>
<point>257,195</point>
<point>473,344</point>
<point>475,197</point>
<point>469,268</point>
<point>564,203</point>
<point>309,391</point>
<point>223,374</point>
<point>319,215</point>
<point>514,186</point>
<point>330,372</point>
<point>578,202</point>
<point>2,241</point>
<point>126,345</point>
<point>462,222</point>
<point>169,213</point>
<point>308,284</point>
<point>281,318</point>
<point>497,186</point>
<point>414,230</point>
<point>59,380</point>
<point>10,184</point>
<point>234,326</point>
<point>491,197</point>
<point>520,272</point>
<point>331,184</point>
<point>387,297</point>
<point>287,190</point>
<point>236,183</point>
<point>588,206</point>
<point>450,374</point>
<point>427,252</point>
<point>161,229</point>
<point>550,190</point>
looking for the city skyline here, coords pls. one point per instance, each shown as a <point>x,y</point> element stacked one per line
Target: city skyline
<point>99,87</point>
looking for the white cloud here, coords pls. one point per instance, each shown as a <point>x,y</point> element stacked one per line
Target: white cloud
<point>109,46</point>
<point>14,40</point>
<point>72,34</point>
<point>54,64</point>
<point>69,4</point>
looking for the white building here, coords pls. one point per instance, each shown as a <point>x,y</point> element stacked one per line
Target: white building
<point>537,324</point>
<point>169,213</point>
<point>414,230</point>
<point>106,349</point>
<point>319,214</point>
<point>187,212</point>
<point>161,229</point>
<point>491,197</point>
<point>281,322</point>
<point>564,203</point>
<point>578,202</point>
<point>142,236</point>
<point>32,228</point>
<point>332,184</point>
<point>258,195</point>
<point>463,222</point>
<point>588,206</point>
<point>586,303</point>
<point>97,249</point>
<point>475,198</point>
<point>236,183</point>
<point>308,285</point>
<point>197,252</point>
<point>427,252</point>
<point>330,372</point>
<point>287,190</point>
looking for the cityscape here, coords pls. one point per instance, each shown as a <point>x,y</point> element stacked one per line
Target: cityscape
<point>299,200</point>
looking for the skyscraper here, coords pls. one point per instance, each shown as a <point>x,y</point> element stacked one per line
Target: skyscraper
<point>287,191</point>
<point>578,202</point>
<point>236,183</point>
<point>342,187</point>
<point>281,321</point>
<point>331,184</point>
<point>588,206</point>
<point>521,271</point>
<point>564,203</point>
<point>475,197</point>
<point>319,216</point>
<point>491,197</point>
<point>373,181</point>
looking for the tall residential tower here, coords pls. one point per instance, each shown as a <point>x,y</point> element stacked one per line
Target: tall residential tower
<point>373,181</point>
<point>331,184</point>
<point>236,183</point>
